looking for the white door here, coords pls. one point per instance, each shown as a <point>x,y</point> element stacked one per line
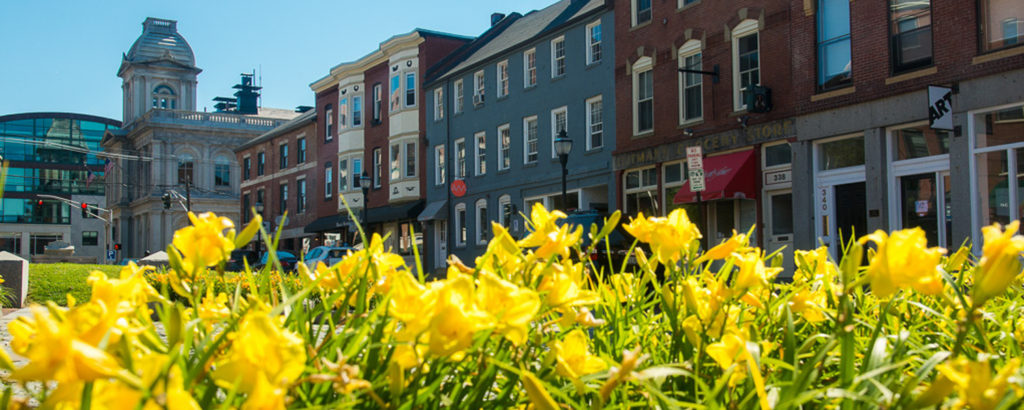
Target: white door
<point>778,232</point>
<point>441,239</point>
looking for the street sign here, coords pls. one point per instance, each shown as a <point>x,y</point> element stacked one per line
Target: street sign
<point>940,108</point>
<point>111,255</point>
<point>694,157</point>
<point>458,188</point>
<point>696,179</point>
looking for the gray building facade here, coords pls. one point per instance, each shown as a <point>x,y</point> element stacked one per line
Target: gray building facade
<point>493,110</point>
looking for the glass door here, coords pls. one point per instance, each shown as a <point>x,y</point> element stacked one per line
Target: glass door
<point>779,229</point>
<point>441,236</point>
<point>925,203</point>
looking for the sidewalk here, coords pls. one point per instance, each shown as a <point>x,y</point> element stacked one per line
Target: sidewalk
<point>5,336</point>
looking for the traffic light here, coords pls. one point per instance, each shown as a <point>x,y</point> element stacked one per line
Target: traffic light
<point>85,210</point>
<point>117,246</point>
<point>167,201</point>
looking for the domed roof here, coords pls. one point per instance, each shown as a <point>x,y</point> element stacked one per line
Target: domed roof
<point>160,41</point>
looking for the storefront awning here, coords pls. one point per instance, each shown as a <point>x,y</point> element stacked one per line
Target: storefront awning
<point>730,176</point>
<point>328,223</point>
<point>394,212</point>
<point>433,211</point>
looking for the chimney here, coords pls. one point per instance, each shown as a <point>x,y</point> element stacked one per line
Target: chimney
<point>496,17</point>
<point>247,95</point>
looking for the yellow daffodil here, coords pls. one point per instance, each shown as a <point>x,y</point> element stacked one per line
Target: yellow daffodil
<point>809,304</point>
<point>250,356</point>
<point>213,308</point>
<point>973,381</point>
<point>265,395</point>
<point>622,285</point>
<point>752,272</point>
<point>54,352</point>
<point>727,351</point>
<point>561,287</point>
<point>903,260</point>
<point>670,238</point>
<point>541,224</point>
<point>623,372</point>
<point>1000,261</point>
<point>511,307</point>
<point>573,358</point>
<point>456,318</point>
<point>585,318</point>
<point>204,243</point>
<point>503,253</point>
<point>725,249</point>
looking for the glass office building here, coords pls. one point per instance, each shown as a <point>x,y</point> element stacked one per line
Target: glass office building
<point>52,154</point>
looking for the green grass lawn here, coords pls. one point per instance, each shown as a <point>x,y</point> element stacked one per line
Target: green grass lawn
<point>52,281</point>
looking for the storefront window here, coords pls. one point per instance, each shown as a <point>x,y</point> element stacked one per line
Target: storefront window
<point>999,147</point>
<point>642,192</point>
<point>777,155</point>
<point>841,153</point>
<point>919,142</point>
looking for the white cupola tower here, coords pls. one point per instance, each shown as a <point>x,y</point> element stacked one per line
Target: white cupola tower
<point>158,72</point>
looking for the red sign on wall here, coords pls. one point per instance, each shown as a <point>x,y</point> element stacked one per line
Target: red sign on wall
<point>458,188</point>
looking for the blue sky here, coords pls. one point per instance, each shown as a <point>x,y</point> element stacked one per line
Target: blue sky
<point>63,55</point>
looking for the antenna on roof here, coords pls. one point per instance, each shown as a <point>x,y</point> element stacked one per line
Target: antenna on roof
<point>260,84</point>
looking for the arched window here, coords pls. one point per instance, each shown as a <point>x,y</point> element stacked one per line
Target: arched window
<point>221,171</point>
<point>185,166</point>
<point>163,97</point>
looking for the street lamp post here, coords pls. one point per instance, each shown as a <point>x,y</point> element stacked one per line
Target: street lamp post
<point>364,182</point>
<point>563,146</point>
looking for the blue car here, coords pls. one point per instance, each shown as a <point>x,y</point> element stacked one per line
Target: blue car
<point>287,259</point>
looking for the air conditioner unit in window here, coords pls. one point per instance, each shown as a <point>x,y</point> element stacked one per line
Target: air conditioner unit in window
<point>758,98</point>
<point>478,99</point>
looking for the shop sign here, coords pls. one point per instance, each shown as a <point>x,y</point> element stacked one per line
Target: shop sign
<point>458,188</point>
<point>754,134</point>
<point>778,177</point>
<point>940,108</point>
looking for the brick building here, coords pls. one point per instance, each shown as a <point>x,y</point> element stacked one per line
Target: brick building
<point>373,110</point>
<point>733,50</point>
<point>867,155</point>
<point>279,173</point>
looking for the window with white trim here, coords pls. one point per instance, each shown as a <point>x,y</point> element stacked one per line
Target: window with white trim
<point>396,161</point>
<point>378,101</point>
<point>594,42</point>
<point>342,175</point>
<point>459,94</point>
<point>502,69</point>
<point>396,92</point>
<point>505,212</point>
<point>691,85</point>
<point>482,222</point>
<point>460,158</point>
<point>530,140</point>
<point>595,123</point>
<point>478,87</point>
<point>641,11</point>
<point>439,165</point>
<point>641,191</point>
<point>643,96</point>
<point>328,180</point>
<point>558,57</point>
<point>410,159</point>
<point>300,196</point>
<point>357,111</point>
<point>378,166</point>
<point>559,123</point>
<point>343,113</point>
<point>410,89</point>
<point>329,120</point>
<point>357,173</point>
<point>481,153</point>
<point>505,147</point>
<point>746,62</point>
<point>438,104</point>
<point>460,225</point>
<point>530,68</point>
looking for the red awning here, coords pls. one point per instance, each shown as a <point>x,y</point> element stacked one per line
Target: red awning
<point>730,176</point>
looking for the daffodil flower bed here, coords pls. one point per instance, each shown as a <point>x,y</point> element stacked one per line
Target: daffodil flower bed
<point>894,324</point>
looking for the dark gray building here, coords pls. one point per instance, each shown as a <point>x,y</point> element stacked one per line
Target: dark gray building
<point>493,110</point>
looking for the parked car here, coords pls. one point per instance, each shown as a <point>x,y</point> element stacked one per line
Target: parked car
<point>287,259</point>
<point>607,257</point>
<point>236,261</point>
<point>329,255</point>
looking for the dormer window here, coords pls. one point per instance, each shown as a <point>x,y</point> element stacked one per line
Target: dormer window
<point>164,98</point>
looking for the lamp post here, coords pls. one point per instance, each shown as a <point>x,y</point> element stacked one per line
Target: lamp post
<point>364,182</point>
<point>563,146</point>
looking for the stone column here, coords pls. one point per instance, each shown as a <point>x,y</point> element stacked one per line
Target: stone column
<point>876,180</point>
<point>14,270</point>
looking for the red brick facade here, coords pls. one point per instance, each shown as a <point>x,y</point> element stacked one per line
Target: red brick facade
<point>957,54</point>
<point>326,152</point>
